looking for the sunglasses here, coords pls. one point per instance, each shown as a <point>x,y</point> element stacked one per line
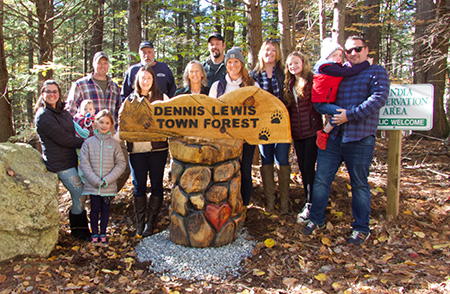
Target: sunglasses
<point>357,49</point>
<point>272,40</point>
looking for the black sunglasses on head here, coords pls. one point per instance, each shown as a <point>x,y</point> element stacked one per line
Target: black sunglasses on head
<point>272,40</point>
<point>357,49</point>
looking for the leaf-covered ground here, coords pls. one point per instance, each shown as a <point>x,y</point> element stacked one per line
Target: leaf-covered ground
<point>408,254</point>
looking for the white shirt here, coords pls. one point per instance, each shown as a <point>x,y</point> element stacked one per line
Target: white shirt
<point>231,86</point>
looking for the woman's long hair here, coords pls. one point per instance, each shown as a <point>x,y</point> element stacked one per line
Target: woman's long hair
<point>186,81</point>
<point>279,61</point>
<point>41,102</point>
<point>247,80</point>
<point>305,82</point>
<point>156,93</point>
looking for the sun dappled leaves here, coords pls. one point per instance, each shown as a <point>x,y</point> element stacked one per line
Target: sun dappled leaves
<point>409,254</point>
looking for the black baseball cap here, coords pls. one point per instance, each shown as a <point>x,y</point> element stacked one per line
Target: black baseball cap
<point>218,36</point>
<point>146,44</point>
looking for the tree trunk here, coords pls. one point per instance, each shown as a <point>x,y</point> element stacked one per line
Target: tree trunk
<point>434,71</point>
<point>321,20</point>
<point>197,31</point>
<point>134,27</point>
<point>352,18</point>
<point>6,124</point>
<point>285,27</point>
<point>97,29</point>
<point>254,31</point>
<point>229,21</point>
<point>372,30</point>
<point>179,19</point>
<point>44,10</point>
<point>30,94</point>
<point>338,30</point>
<point>388,54</point>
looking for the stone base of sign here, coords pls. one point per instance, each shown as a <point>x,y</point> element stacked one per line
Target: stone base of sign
<point>206,206</point>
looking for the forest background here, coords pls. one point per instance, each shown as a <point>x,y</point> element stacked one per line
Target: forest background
<point>44,39</point>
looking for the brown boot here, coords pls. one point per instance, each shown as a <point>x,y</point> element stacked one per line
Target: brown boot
<point>269,186</point>
<point>140,208</point>
<point>284,180</point>
<point>153,208</point>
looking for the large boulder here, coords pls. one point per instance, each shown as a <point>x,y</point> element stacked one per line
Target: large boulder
<point>29,215</point>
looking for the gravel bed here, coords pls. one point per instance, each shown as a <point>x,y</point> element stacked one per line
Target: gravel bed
<point>190,263</point>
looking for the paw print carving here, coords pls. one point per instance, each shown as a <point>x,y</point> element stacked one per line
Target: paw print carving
<point>276,117</point>
<point>264,134</point>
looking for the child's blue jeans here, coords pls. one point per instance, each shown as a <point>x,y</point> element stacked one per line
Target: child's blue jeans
<point>327,108</point>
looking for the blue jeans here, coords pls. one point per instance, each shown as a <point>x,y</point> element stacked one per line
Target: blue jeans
<point>327,108</point>
<point>148,163</point>
<point>278,152</point>
<point>246,172</point>
<point>357,157</point>
<point>71,180</point>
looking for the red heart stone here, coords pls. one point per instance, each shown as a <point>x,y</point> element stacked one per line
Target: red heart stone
<point>218,215</point>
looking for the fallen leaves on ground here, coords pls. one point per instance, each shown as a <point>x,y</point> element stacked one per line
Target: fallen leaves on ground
<point>408,254</point>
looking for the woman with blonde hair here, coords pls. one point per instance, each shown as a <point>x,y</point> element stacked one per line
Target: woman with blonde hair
<point>194,79</point>
<point>270,76</point>
<point>305,121</point>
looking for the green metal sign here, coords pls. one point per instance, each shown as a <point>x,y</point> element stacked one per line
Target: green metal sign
<point>408,107</point>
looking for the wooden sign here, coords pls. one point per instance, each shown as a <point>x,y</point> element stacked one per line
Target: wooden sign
<point>249,113</point>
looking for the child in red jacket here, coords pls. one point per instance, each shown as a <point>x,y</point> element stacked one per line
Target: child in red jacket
<point>328,73</point>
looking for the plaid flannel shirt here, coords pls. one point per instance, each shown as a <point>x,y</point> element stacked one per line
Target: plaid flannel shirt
<point>264,83</point>
<point>362,95</point>
<point>86,88</point>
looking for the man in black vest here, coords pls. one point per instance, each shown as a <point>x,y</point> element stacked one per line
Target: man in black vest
<point>214,65</point>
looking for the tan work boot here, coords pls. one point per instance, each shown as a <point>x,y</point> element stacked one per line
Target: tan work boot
<point>284,180</point>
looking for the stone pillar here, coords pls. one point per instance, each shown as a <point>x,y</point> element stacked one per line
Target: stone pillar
<point>206,205</point>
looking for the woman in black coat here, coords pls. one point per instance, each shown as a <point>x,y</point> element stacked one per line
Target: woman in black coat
<point>56,132</point>
<point>194,79</point>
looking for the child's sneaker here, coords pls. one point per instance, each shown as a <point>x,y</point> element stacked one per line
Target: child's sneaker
<point>103,239</point>
<point>322,139</point>
<point>94,239</point>
<point>358,238</point>
<point>303,216</point>
<point>311,227</point>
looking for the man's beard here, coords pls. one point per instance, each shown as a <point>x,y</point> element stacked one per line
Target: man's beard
<point>148,61</point>
<point>216,53</point>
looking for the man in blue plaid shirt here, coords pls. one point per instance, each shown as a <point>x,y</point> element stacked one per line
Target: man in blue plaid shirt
<point>361,96</point>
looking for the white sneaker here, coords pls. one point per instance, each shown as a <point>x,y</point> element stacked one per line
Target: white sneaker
<point>303,216</point>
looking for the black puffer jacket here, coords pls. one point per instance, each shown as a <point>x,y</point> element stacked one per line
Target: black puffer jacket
<point>57,136</point>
